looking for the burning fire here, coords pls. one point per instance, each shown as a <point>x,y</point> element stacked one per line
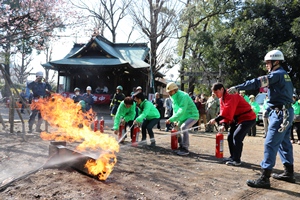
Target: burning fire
<point>73,125</point>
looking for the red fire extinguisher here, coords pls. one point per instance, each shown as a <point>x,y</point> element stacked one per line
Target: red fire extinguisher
<point>135,136</point>
<point>102,125</point>
<point>174,138</point>
<point>219,145</point>
<point>121,131</point>
<point>96,124</point>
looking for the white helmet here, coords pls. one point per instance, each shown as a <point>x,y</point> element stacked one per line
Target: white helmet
<point>274,55</point>
<point>41,74</point>
<point>88,88</point>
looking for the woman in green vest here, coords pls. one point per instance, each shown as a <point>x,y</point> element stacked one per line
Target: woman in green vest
<point>148,117</point>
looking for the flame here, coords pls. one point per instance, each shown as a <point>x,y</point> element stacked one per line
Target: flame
<point>73,125</point>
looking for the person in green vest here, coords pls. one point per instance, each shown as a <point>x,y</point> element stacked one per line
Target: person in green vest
<point>255,107</point>
<point>185,115</point>
<point>242,93</point>
<point>296,122</point>
<point>125,114</point>
<point>148,117</point>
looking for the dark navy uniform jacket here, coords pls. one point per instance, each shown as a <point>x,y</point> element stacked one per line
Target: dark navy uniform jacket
<point>89,100</point>
<point>280,87</point>
<point>38,89</point>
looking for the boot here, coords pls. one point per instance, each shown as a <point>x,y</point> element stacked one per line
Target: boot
<point>263,181</point>
<point>30,129</point>
<point>287,175</point>
<point>38,129</point>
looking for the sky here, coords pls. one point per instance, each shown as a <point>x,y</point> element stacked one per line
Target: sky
<point>62,47</point>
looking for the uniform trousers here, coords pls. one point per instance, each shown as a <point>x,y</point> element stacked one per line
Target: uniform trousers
<point>278,141</point>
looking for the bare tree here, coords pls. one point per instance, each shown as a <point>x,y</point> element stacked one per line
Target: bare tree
<point>22,71</point>
<point>48,50</point>
<point>157,19</point>
<point>106,15</point>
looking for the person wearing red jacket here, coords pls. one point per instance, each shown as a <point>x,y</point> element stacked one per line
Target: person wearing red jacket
<point>235,112</point>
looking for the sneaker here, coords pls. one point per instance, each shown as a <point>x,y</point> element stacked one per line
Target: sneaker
<point>152,144</point>
<point>227,159</point>
<point>183,152</point>
<point>142,143</point>
<point>293,141</point>
<point>298,142</point>
<point>234,163</point>
<point>178,149</point>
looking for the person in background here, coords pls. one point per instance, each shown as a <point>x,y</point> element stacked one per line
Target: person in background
<point>77,96</point>
<point>168,111</point>
<point>185,115</point>
<point>40,89</point>
<point>280,92</point>
<point>139,89</point>
<point>101,90</point>
<point>296,122</point>
<point>104,89</point>
<point>265,115</point>
<point>197,125</point>
<point>159,104</point>
<point>192,95</point>
<point>242,93</point>
<point>236,113</point>
<point>203,100</point>
<point>133,91</point>
<point>125,114</point>
<point>116,100</point>
<point>212,108</point>
<point>24,98</point>
<point>88,98</point>
<point>255,107</point>
<point>98,90</point>
<point>148,117</point>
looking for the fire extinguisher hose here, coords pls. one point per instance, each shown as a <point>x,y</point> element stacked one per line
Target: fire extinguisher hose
<point>123,136</point>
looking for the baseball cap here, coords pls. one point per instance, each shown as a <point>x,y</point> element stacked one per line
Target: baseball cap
<point>171,86</point>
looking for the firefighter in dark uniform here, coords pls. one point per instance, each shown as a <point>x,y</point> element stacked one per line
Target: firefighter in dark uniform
<point>116,100</point>
<point>40,89</point>
<point>77,96</point>
<point>280,92</point>
<point>88,98</point>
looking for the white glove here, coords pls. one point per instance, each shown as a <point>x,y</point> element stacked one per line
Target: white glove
<point>232,90</point>
<point>221,129</point>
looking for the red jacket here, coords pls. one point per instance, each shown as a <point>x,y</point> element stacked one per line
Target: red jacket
<point>234,105</point>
